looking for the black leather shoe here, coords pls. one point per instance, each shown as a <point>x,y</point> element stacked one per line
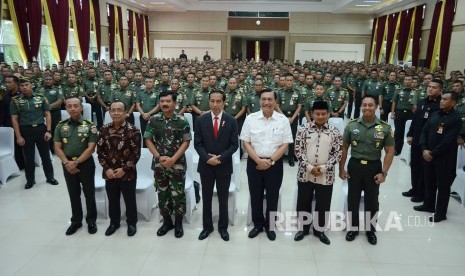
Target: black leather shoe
<point>29,185</point>
<point>416,199</point>
<point>73,228</point>
<point>408,193</point>
<point>291,162</point>
<point>92,228</point>
<point>436,218</point>
<point>323,238</point>
<point>351,235</point>
<point>178,231</point>
<point>52,181</point>
<point>300,235</point>
<point>164,229</point>
<point>371,237</point>
<point>111,229</point>
<point>423,208</point>
<point>204,234</point>
<point>224,234</point>
<point>255,231</point>
<point>132,230</point>
<point>271,235</point>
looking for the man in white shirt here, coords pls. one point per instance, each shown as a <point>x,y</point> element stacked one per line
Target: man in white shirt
<point>318,147</point>
<point>266,135</point>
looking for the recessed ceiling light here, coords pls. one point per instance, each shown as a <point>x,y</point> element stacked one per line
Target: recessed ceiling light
<point>157,3</point>
<point>363,5</point>
<point>371,1</point>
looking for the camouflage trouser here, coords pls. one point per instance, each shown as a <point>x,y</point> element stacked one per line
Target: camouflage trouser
<point>170,186</point>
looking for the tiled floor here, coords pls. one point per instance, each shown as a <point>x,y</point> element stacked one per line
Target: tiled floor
<point>33,241</point>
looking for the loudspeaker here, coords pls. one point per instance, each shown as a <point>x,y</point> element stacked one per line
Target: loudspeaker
<point>95,56</point>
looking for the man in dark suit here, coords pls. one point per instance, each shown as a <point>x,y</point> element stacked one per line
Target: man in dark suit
<point>215,140</point>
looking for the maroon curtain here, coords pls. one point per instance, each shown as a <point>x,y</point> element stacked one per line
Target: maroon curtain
<point>59,15</point>
<point>417,35</point>
<point>392,23</point>
<point>432,34</point>
<point>83,26</point>
<point>111,22</point>
<point>120,27</point>
<point>380,35</point>
<point>98,30</point>
<point>405,22</point>
<point>372,36</point>
<point>264,50</point>
<point>130,32</point>
<point>140,33</point>
<point>29,25</point>
<point>146,19</point>
<point>250,49</point>
<point>449,12</point>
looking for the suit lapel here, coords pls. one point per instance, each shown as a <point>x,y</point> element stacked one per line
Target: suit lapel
<point>221,126</point>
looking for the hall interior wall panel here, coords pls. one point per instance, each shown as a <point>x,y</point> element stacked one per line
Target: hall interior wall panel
<point>266,24</point>
<point>189,21</point>
<point>329,51</point>
<point>327,23</point>
<point>192,48</point>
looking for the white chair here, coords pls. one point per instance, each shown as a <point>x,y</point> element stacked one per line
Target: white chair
<point>249,210</point>
<point>391,121</point>
<point>189,187</point>
<point>8,165</point>
<point>377,112</point>
<point>64,115</point>
<point>459,183</point>
<point>338,123</point>
<point>100,192</point>
<point>107,118</point>
<point>304,121</point>
<point>137,120</point>
<point>236,175</point>
<point>188,116</point>
<point>87,111</point>
<point>405,153</point>
<point>146,197</point>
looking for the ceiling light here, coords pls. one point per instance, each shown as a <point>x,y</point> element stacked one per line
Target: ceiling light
<point>363,5</point>
<point>258,22</point>
<point>371,1</point>
<point>157,3</point>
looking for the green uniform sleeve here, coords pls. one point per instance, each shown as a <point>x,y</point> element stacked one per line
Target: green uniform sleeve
<point>57,134</point>
<point>149,130</point>
<point>13,108</point>
<point>93,137</point>
<point>45,105</point>
<point>389,137</point>
<point>346,135</point>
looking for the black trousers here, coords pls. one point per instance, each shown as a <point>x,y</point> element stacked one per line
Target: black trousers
<point>386,104</point>
<point>362,179</point>
<point>223,182</point>
<point>323,194</point>
<point>130,119</point>
<point>439,176</point>
<point>97,109</point>
<point>402,116</point>
<point>260,181</point>
<point>114,190</point>
<point>290,152</point>
<point>19,156</point>
<point>56,118</point>
<point>143,126</point>
<point>349,104</point>
<point>417,171</point>
<point>358,103</point>
<point>73,182</point>
<point>35,136</point>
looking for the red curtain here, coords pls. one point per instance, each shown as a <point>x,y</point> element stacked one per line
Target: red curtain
<point>98,30</point>
<point>29,25</point>
<point>131,32</point>
<point>140,33</point>
<point>83,26</point>
<point>111,22</point>
<point>405,22</point>
<point>120,28</point>
<point>449,12</point>
<point>147,34</point>
<point>59,15</point>
<point>392,23</point>
<point>372,37</point>
<point>380,35</point>
<point>417,35</point>
<point>432,34</point>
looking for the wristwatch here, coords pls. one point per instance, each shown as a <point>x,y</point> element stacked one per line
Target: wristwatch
<point>272,162</point>
<point>385,174</point>
<point>49,131</point>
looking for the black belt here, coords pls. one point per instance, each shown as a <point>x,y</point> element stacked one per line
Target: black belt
<point>36,125</point>
<point>403,110</point>
<point>363,161</point>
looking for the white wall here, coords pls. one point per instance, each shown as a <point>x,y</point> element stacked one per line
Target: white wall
<point>192,48</point>
<point>329,51</point>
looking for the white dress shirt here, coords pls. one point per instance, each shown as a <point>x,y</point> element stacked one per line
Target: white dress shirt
<point>266,135</point>
<point>219,118</point>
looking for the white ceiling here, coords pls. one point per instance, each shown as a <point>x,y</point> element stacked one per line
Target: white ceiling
<point>333,6</point>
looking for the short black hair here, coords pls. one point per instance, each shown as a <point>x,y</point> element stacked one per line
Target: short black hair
<point>173,95</point>
<point>438,81</point>
<point>372,97</point>
<point>217,91</point>
<point>453,96</point>
<point>269,90</point>
<point>118,101</point>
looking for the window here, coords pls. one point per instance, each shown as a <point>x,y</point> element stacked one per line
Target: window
<point>9,44</point>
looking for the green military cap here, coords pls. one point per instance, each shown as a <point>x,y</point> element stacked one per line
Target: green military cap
<point>24,80</point>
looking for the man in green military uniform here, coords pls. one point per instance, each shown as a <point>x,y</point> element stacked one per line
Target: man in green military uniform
<point>319,96</point>
<point>72,89</point>
<point>27,117</point>
<point>373,86</point>
<point>389,89</point>
<point>147,103</point>
<point>351,82</point>
<point>55,99</point>
<point>104,91</point>
<point>90,84</point>
<point>358,85</point>
<point>366,136</point>
<point>457,87</point>
<point>167,136</point>
<point>200,100</point>
<point>338,97</point>
<point>253,100</point>
<point>307,91</point>
<point>235,103</point>
<point>75,139</point>
<point>404,104</point>
<point>181,99</point>
<point>290,103</point>
<point>125,95</point>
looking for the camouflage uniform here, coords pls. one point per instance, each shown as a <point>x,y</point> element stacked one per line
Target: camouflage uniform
<point>167,136</point>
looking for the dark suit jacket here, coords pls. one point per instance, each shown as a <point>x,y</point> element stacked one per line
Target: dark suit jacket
<point>225,145</point>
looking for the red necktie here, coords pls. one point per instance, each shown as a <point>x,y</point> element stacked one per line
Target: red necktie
<point>215,127</point>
